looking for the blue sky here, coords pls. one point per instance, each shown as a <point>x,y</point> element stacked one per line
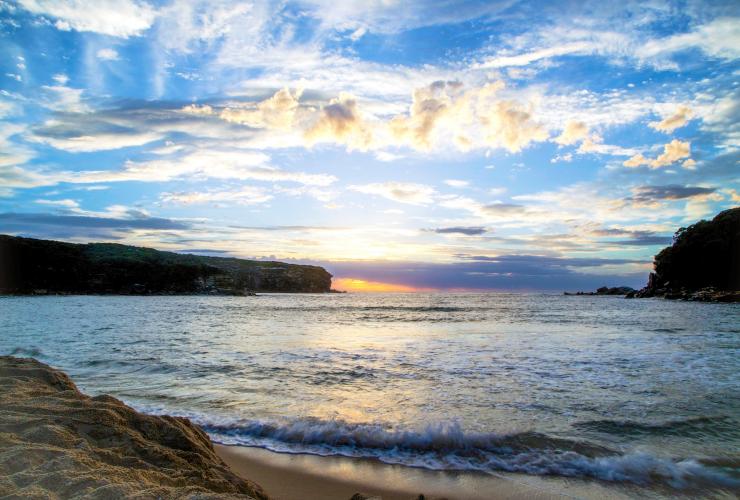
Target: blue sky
<point>430,144</point>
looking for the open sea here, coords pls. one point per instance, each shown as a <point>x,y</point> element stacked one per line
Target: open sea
<point>641,392</point>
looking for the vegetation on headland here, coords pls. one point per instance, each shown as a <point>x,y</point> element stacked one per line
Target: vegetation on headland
<point>31,266</point>
<point>703,263</point>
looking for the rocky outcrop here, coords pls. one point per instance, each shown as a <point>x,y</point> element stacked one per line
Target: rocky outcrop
<point>56,442</point>
<point>604,290</point>
<point>31,266</point>
<point>702,264</point>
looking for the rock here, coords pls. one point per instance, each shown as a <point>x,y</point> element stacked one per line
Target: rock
<point>56,442</point>
<point>702,264</point>
<point>619,290</point>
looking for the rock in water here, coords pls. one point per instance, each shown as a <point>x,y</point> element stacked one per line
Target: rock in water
<point>56,442</point>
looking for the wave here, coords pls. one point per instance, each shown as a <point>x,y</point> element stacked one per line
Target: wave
<point>446,446</point>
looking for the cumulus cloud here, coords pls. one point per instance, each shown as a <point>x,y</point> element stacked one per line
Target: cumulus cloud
<point>677,120</point>
<point>672,152</point>
<point>573,132</point>
<point>120,18</point>
<point>276,112</point>
<point>473,119</point>
<point>341,121</point>
<point>402,192</point>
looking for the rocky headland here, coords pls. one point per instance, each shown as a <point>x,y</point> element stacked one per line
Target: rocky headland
<point>702,264</point>
<point>40,267</point>
<point>56,442</point>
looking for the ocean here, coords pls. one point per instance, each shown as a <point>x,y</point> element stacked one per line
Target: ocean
<point>639,392</point>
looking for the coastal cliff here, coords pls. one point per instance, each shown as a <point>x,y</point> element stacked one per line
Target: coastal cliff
<point>56,442</point>
<point>703,263</point>
<point>30,266</point>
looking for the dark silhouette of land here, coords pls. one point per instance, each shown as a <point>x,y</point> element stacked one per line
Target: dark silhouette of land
<point>31,266</point>
<point>703,263</point>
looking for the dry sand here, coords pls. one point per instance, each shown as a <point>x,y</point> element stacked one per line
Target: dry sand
<point>55,442</point>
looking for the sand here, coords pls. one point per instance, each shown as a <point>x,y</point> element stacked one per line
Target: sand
<point>55,442</point>
<point>309,477</point>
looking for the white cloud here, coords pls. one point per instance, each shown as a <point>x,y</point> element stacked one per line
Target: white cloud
<point>502,61</point>
<point>205,164</point>
<point>107,54</point>
<point>719,38</point>
<point>120,18</point>
<point>456,183</point>
<point>402,192</point>
<point>65,203</point>
<point>245,195</point>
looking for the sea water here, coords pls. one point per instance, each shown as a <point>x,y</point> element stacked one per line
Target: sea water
<point>643,392</point>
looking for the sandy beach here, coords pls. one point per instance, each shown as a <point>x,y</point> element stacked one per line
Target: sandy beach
<point>309,477</point>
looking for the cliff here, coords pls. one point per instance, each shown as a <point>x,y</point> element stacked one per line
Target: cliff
<point>43,266</point>
<point>703,263</point>
<point>56,442</point>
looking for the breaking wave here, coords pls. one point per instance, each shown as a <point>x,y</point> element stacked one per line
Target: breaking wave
<point>446,446</point>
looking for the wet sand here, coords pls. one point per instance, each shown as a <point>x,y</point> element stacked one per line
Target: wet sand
<point>309,477</point>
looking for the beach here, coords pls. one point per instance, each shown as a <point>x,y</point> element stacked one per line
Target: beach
<point>58,441</point>
<point>310,477</point>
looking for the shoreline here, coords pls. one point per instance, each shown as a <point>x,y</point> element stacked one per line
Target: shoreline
<point>289,476</point>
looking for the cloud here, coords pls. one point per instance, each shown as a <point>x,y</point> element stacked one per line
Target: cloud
<point>502,61</point>
<point>573,132</point>
<point>277,112</point>
<point>467,230</point>
<point>22,222</point>
<point>678,119</point>
<point>672,152</point>
<point>246,195</point>
<point>402,192</point>
<point>473,119</point>
<point>456,183</point>
<point>78,132</point>
<point>719,38</point>
<point>340,121</point>
<point>119,18</point>
<point>206,164</point>
<point>649,194</point>
<point>635,238</point>
<point>107,55</point>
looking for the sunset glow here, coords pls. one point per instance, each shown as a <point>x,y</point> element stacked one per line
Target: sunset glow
<point>357,285</point>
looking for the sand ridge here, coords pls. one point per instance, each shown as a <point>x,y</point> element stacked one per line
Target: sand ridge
<point>56,442</point>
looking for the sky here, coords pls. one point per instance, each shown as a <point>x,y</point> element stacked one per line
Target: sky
<point>403,145</point>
